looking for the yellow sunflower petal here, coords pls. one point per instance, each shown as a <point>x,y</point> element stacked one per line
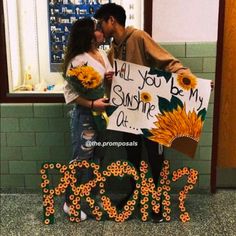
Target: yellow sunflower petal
<point>177,123</point>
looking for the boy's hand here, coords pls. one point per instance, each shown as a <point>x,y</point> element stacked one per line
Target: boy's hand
<point>109,75</point>
<point>212,86</point>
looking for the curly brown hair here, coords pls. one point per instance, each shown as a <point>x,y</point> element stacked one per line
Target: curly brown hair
<point>80,40</point>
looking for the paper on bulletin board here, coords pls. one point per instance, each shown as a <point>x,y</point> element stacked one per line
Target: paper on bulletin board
<point>164,107</point>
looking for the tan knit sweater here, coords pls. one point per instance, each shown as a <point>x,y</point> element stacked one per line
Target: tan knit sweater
<point>141,49</point>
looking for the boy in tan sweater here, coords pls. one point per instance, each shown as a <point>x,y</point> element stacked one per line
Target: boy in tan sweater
<point>136,46</point>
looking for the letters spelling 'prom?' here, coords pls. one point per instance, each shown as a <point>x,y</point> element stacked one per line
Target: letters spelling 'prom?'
<point>146,193</point>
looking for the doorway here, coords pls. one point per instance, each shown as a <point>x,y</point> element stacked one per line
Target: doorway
<point>224,134</point>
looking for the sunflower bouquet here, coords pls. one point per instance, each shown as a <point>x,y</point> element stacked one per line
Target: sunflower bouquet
<point>86,81</point>
<point>89,84</point>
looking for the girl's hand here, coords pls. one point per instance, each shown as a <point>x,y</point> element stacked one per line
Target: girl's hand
<point>100,104</point>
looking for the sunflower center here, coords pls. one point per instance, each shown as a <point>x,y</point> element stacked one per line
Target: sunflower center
<point>186,81</point>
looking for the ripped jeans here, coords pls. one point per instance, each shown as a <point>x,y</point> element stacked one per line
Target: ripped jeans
<point>83,129</point>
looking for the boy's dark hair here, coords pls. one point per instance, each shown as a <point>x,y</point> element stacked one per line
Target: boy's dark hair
<point>111,9</point>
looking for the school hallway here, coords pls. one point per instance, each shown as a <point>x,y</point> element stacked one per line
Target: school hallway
<point>21,214</point>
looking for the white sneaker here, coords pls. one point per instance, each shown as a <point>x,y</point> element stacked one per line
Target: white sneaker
<point>66,209</point>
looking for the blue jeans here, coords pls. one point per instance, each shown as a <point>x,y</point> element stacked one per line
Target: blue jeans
<point>83,129</point>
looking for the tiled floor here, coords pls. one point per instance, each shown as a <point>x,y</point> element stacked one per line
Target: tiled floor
<point>21,214</point>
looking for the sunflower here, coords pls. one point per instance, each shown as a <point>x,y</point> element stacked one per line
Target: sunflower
<point>85,71</point>
<point>175,124</point>
<point>91,81</point>
<point>187,82</point>
<point>146,97</point>
<point>88,77</point>
<point>73,72</point>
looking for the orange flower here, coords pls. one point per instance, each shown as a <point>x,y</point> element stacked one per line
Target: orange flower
<point>187,82</point>
<point>146,97</point>
<point>176,124</point>
<point>45,166</point>
<point>47,221</point>
<point>87,75</point>
<point>42,171</point>
<point>51,166</point>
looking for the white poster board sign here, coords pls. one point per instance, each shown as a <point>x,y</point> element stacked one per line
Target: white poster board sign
<point>164,107</point>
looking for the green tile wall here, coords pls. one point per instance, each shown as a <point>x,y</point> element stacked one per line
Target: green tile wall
<point>201,50</point>
<point>34,133</point>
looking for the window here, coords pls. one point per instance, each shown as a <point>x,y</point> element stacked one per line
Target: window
<point>34,40</point>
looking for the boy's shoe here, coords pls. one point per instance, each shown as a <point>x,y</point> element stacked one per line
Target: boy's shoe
<point>157,217</point>
<point>66,209</point>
